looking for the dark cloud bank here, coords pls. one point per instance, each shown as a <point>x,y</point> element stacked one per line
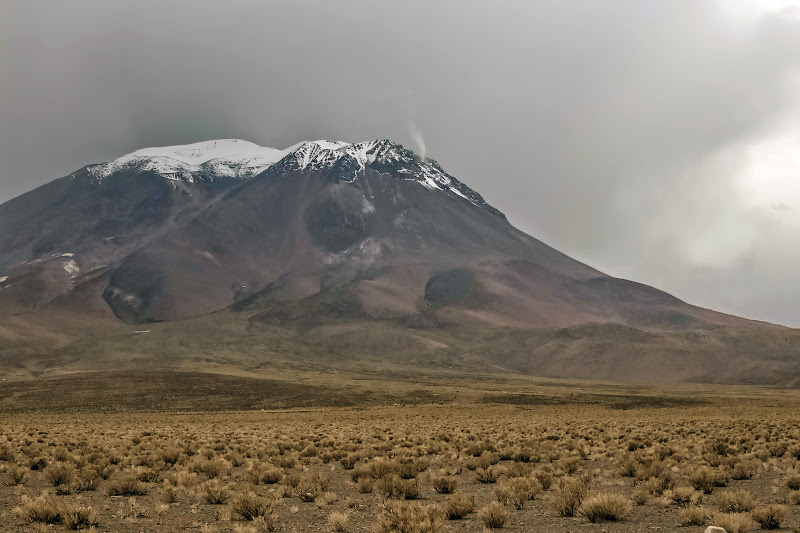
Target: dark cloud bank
<point>656,141</point>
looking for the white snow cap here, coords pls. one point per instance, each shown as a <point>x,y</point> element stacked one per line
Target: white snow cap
<point>315,155</point>
<point>199,153</point>
<point>233,158</point>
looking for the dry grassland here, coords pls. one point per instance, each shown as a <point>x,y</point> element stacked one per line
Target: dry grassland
<point>510,463</point>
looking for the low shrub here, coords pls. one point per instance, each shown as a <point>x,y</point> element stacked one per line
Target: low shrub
<point>693,515</point>
<point>60,474</point>
<point>734,522</point>
<point>769,516</point>
<point>214,492</point>
<point>43,509</point>
<point>459,506</point>
<point>686,496</point>
<point>250,506</point>
<point>409,517</point>
<point>488,475</point>
<point>444,484</point>
<point>395,487</point>
<point>17,475</point>
<point>127,485</point>
<point>606,507</point>
<point>493,516</point>
<point>744,470</point>
<point>517,491</point>
<point>569,495</point>
<point>736,501</point>
<point>704,479</point>
<point>80,517</point>
<point>338,521</point>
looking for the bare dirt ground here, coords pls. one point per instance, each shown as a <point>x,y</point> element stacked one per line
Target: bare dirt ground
<point>521,455</point>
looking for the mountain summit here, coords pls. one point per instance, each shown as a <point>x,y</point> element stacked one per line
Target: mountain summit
<point>329,232</point>
<point>231,158</point>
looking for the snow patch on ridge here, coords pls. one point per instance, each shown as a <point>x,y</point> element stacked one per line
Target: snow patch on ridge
<point>383,156</point>
<point>71,268</point>
<point>199,153</point>
<point>233,158</point>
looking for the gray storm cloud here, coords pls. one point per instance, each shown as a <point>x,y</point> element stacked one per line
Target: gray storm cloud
<point>652,140</point>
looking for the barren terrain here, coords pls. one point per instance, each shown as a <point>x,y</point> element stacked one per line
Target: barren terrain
<point>202,452</point>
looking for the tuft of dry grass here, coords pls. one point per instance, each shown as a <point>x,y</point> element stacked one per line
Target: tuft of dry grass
<point>212,468</point>
<point>7,454</point>
<point>489,474</point>
<point>569,495</point>
<point>80,517</point>
<point>214,492</point>
<point>128,485</point>
<point>267,474</point>
<point>693,515</point>
<point>44,509</point>
<point>444,484</point>
<point>169,494</point>
<point>250,506</point>
<point>395,487</point>
<point>17,475</point>
<point>338,521</point>
<point>736,501</point>
<point>459,506</point>
<point>365,485</point>
<point>744,470</point>
<point>770,516</point>
<point>493,516</point>
<point>60,474</point>
<point>606,507</point>
<point>409,517</point>
<point>686,496</point>
<point>517,491</point>
<point>704,479</point>
<point>734,522</point>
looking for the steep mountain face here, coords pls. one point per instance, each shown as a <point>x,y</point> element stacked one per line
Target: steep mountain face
<point>328,229</point>
<point>86,222</point>
<point>332,229</point>
<point>331,233</point>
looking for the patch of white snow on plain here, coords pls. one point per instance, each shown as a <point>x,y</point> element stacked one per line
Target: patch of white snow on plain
<point>3,279</point>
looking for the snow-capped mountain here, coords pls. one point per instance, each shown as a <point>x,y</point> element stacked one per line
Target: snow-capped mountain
<point>238,218</point>
<point>235,158</point>
<point>102,213</point>
<point>328,232</point>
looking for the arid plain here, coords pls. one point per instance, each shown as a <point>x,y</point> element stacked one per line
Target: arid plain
<point>393,451</point>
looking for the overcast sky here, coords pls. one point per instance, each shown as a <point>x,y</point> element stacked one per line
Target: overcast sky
<point>658,141</point>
